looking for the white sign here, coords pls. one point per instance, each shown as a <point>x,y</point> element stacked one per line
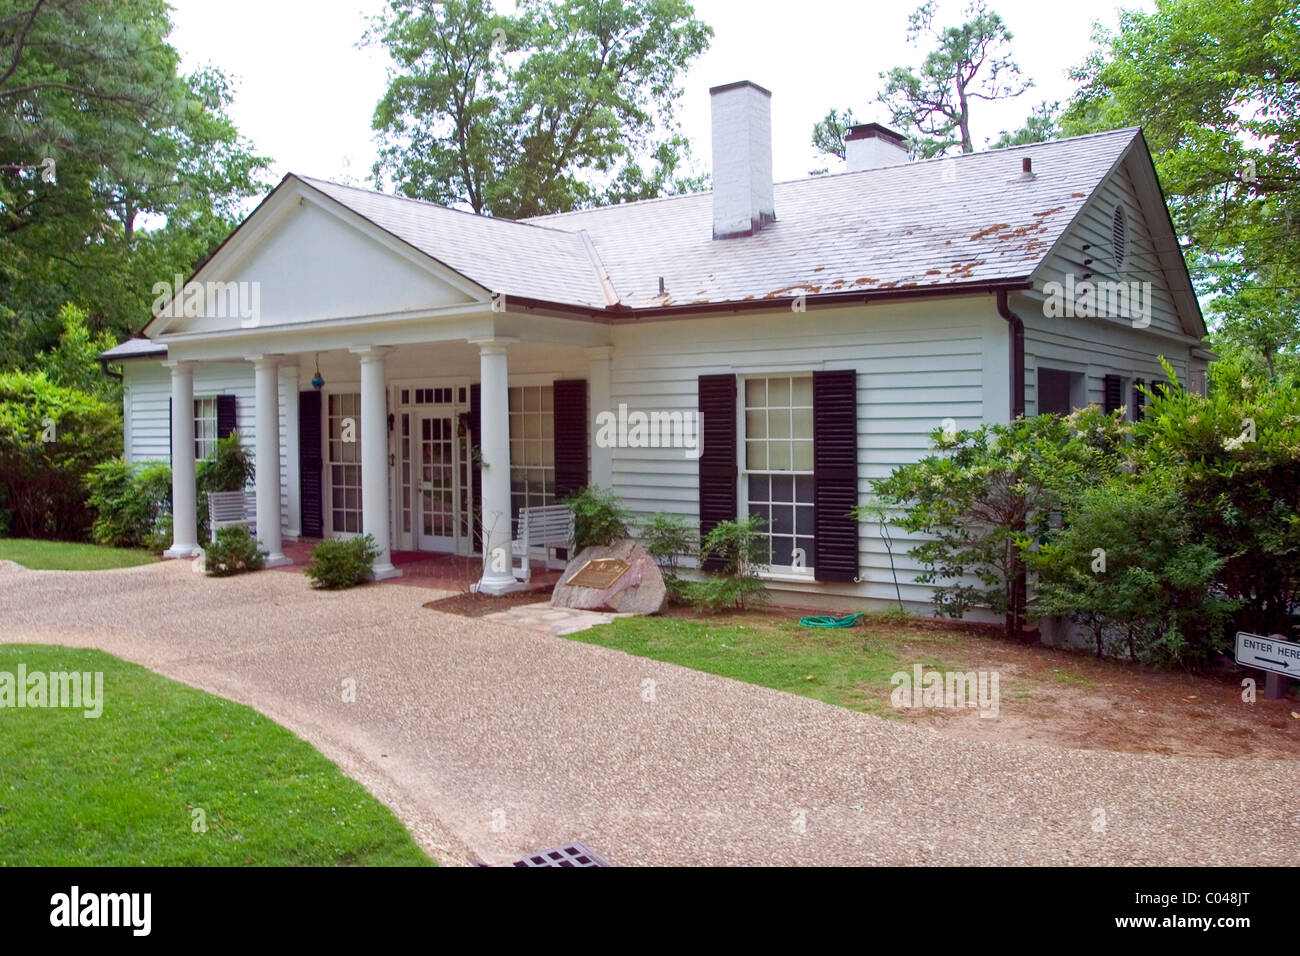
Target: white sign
<point>1268,654</point>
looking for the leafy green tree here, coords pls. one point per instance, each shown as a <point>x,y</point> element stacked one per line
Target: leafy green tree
<point>546,110</point>
<point>93,85</point>
<point>1216,88</point>
<point>74,361</point>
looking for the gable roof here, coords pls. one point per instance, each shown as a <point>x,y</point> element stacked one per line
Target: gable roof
<point>971,222</point>
<point>501,255</point>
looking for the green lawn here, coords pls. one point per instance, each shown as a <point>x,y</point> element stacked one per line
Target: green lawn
<point>69,555</point>
<point>849,667</point>
<point>121,789</point>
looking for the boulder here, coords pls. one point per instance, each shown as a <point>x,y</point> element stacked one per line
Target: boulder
<point>638,590</point>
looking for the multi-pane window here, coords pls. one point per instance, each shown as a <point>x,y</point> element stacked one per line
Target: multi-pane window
<point>205,427</point>
<point>532,447</point>
<point>344,450</point>
<point>778,465</point>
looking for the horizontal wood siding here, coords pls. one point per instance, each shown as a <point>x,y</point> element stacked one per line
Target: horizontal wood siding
<point>148,388</point>
<point>1140,264</point>
<point>916,363</point>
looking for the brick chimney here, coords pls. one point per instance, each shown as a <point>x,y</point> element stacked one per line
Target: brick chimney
<point>870,145</point>
<point>742,159</point>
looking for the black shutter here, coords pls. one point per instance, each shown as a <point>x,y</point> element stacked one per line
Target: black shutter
<point>171,449</point>
<point>1139,400</point>
<point>1159,387</point>
<point>1112,393</point>
<point>717,462</point>
<point>476,441</point>
<point>570,415</point>
<point>310,465</point>
<point>225,415</point>
<point>835,474</point>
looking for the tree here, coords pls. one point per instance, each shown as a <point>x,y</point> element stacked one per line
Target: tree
<point>93,85</point>
<point>550,109</point>
<point>1216,88</point>
<point>829,132</point>
<point>969,62</point>
<point>73,363</point>
<point>1039,127</point>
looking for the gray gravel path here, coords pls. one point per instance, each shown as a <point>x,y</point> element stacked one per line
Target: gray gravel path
<point>490,741</point>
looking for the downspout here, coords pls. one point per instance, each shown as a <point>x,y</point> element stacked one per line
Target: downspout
<point>103,367</point>
<point>1017,355</point>
<point>1019,597</point>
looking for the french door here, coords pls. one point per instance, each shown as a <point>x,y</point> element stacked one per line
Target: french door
<point>436,491</point>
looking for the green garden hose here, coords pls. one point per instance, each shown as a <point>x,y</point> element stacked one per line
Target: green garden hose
<point>848,621</point>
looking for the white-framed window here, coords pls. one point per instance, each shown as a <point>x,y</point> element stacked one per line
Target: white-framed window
<point>532,447</point>
<point>343,448</point>
<point>205,427</point>
<point>777,465</point>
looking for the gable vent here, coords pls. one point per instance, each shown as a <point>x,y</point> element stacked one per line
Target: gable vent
<point>1119,235</point>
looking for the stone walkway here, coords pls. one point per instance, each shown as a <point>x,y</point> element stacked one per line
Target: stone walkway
<point>545,619</point>
<point>491,741</point>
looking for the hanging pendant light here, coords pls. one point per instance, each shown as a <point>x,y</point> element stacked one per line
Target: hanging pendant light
<point>317,382</point>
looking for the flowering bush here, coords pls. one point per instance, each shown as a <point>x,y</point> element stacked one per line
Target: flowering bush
<point>234,552</point>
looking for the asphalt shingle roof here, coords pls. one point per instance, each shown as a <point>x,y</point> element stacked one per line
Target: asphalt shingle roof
<point>134,348</point>
<point>930,223</point>
<point>499,254</point>
<point>961,219</point>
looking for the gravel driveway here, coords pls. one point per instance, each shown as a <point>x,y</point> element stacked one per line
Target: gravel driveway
<point>491,741</point>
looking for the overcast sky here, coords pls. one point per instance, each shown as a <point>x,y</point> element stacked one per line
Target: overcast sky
<point>306,93</point>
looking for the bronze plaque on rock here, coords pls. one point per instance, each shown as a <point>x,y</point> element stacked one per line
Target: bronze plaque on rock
<point>598,574</point>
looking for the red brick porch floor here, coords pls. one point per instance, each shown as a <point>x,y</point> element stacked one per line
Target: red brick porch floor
<point>441,572</point>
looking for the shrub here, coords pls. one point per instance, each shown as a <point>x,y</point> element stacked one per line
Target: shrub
<point>667,538</point>
<point>599,517</point>
<point>234,552</point>
<point>986,493</point>
<point>738,549</point>
<point>160,538</point>
<point>128,500</point>
<point>45,495</point>
<point>1237,455</point>
<point>339,563</point>
<point>1126,568</point>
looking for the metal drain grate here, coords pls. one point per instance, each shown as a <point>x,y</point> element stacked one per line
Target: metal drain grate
<point>571,854</point>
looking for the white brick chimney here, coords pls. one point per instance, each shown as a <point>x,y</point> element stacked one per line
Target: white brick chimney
<point>870,145</point>
<point>742,159</point>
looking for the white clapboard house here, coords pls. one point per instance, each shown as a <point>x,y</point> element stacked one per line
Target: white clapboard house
<point>422,373</point>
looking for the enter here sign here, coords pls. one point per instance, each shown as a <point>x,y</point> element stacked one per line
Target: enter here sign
<point>1268,654</point>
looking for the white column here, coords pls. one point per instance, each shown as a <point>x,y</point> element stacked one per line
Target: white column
<point>375,511</point>
<point>289,393</point>
<point>494,441</point>
<point>601,396</point>
<point>185,533</point>
<point>266,387</point>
